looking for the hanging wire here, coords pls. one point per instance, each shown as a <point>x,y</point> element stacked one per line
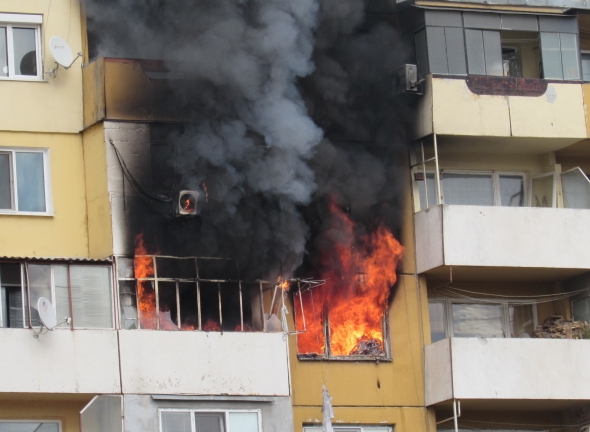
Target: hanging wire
<point>458,293</point>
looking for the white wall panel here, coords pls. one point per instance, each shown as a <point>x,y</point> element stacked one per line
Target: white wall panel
<point>201,363</point>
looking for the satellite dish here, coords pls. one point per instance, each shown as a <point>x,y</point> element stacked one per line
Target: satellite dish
<point>46,313</point>
<point>61,52</point>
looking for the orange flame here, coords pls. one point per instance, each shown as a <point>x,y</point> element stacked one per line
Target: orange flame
<point>146,294</point>
<point>355,296</point>
<point>212,325</point>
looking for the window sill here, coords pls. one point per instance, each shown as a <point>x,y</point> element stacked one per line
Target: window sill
<point>38,214</point>
<point>24,79</point>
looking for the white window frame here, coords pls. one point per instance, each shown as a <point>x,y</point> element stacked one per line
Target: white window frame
<point>448,304</point>
<point>14,182</point>
<point>226,413</point>
<point>10,21</point>
<point>495,183</point>
<point>34,421</point>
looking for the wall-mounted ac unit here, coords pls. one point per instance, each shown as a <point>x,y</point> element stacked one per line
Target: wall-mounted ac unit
<point>186,203</point>
<point>406,80</point>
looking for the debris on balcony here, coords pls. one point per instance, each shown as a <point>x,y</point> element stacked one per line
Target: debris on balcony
<point>557,327</point>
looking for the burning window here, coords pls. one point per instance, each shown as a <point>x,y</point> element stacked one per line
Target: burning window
<point>186,293</point>
<point>347,318</point>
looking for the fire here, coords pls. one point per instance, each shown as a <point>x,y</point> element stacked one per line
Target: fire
<point>211,325</point>
<point>355,297</point>
<point>146,294</point>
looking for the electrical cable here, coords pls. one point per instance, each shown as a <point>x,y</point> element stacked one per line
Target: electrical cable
<point>137,187</point>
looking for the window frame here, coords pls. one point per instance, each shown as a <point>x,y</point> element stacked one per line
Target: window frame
<point>59,425</point>
<point>32,21</point>
<point>26,303</point>
<point>46,152</point>
<point>353,428</point>
<point>226,412</point>
<point>448,309</point>
<point>497,198</point>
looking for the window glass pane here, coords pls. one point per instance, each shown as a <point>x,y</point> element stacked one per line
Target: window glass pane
<point>3,53</point>
<point>39,286</point>
<point>511,191</point>
<point>29,427</point>
<point>436,312</point>
<point>422,53</point>
<point>477,320</point>
<point>543,191</point>
<point>128,304</point>
<point>569,56</point>
<point>25,51</point>
<point>5,184</point>
<point>31,184</point>
<point>581,309</point>
<point>62,297</point>
<point>455,51</point>
<point>176,421</point>
<point>475,54</point>
<point>522,321</point>
<point>437,50</point>
<point>91,296</point>
<point>551,53</point>
<point>586,67</point>
<point>493,52</point>
<point>11,298</point>
<point>430,186</point>
<point>576,189</point>
<point>468,189</point>
<point>209,422</point>
<point>243,422</point>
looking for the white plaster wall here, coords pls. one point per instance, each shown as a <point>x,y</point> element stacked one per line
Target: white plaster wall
<point>554,369</point>
<point>438,372</point>
<point>202,363</point>
<point>503,237</point>
<point>429,238</point>
<point>61,361</point>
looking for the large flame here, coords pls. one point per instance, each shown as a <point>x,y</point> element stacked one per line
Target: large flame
<point>146,294</point>
<point>359,278</point>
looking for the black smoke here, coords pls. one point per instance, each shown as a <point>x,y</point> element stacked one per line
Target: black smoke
<point>292,105</point>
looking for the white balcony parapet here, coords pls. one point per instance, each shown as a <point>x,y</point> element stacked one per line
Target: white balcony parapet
<point>482,236</point>
<point>496,369</point>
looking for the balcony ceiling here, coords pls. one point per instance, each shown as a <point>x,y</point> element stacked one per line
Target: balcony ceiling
<point>452,144</point>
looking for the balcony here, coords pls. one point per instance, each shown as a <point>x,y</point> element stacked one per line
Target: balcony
<point>229,363</point>
<point>61,361</point>
<point>515,241</point>
<point>503,107</point>
<point>501,370</point>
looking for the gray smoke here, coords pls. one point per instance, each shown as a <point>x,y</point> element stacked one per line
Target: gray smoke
<point>293,106</point>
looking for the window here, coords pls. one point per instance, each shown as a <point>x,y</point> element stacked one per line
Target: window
<point>473,188</point>
<point>350,428</point>
<point>29,426</point>
<point>20,53</point>
<point>461,318</point>
<point>585,66</point>
<point>24,182</point>
<point>89,304</point>
<point>210,421</point>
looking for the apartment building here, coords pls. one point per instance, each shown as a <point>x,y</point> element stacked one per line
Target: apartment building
<point>78,151</point>
<point>500,190</point>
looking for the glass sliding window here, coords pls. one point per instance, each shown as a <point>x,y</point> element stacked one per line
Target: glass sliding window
<point>3,53</point>
<point>91,296</point>
<point>438,320</point>
<point>468,189</point>
<point>522,320</point>
<point>581,309</point>
<point>511,190</point>
<point>569,56</point>
<point>11,296</point>
<point>25,51</point>
<point>551,53</point>
<point>209,422</point>
<point>543,191</point>
<point>423,186</point>
<point>576,189</point>
<point>173,421</point>
<point>477,320</point>
<point>5,181</point>
<point>30,180</point>
<point>39,286</point>
<point>62,292</point>
<point>586,67</point>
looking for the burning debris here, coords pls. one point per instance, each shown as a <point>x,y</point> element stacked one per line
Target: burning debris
<point>368,347</point>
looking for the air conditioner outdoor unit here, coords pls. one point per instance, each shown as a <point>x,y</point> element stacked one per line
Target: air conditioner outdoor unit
<point>406,78</point>
<point>186,203</point>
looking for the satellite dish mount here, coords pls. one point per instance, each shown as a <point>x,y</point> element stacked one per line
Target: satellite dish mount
<point>47,316</point>
<point>62,53</point>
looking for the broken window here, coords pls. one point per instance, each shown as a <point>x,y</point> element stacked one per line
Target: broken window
<point>462,318</point>
<point>79,292</point>
<point>187,293</point>
<point>210,421</point>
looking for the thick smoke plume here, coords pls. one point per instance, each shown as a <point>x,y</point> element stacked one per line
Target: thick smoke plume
<point>293,106</point>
